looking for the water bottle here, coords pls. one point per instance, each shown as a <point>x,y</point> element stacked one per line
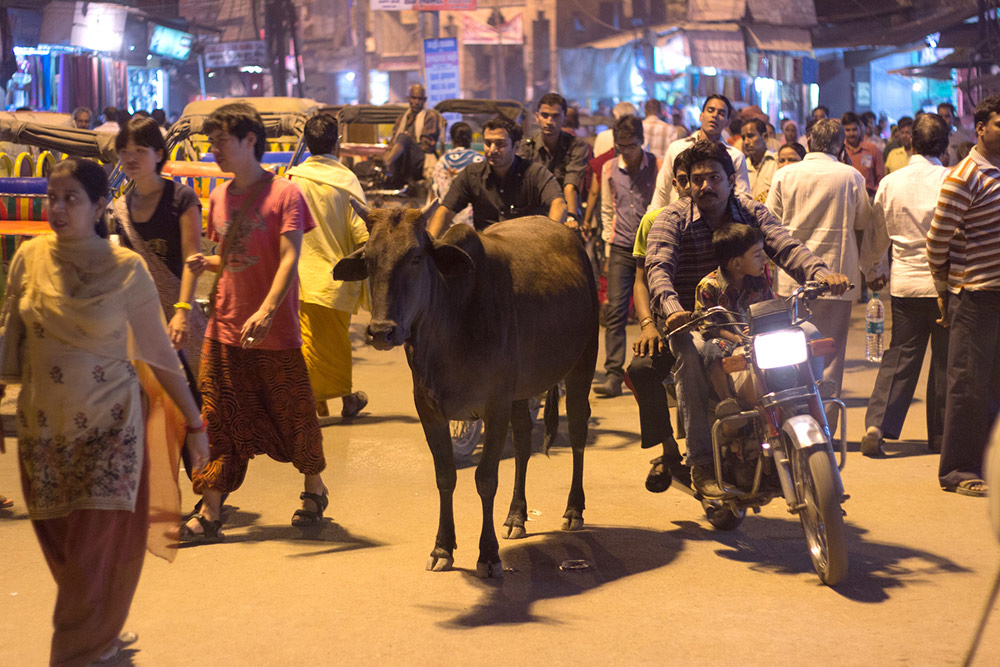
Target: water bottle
<point>874,329</point>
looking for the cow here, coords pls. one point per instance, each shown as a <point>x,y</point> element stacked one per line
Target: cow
<point>488,320</point>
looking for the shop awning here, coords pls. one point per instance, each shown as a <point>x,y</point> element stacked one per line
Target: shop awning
<point>891,27</point>
<point>958,59</point>
<point>718,45</point>
<point>778,38</point>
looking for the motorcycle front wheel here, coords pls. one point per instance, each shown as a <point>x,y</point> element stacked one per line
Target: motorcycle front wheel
<point>465,435</point>
<point>821,516</point>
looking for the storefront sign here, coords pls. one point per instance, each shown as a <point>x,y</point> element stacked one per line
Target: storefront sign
<point>441,68</point>
<point>235,54</point>
<point>480,32</point>
<point>393,5</point>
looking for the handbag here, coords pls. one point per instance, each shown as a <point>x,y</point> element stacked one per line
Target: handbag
<point>12,335</point>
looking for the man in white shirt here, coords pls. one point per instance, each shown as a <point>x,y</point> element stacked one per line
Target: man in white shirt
<point>761,162</point>
<point>659,134</point>
<point>902,213</point>
<point>823,201</point>
<point>714,119</point>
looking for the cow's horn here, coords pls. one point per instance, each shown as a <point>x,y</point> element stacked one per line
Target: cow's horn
<point>428,211</point>
<point>362,210</point>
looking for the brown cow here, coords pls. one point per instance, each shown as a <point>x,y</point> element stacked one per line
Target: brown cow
<point>488,320</point>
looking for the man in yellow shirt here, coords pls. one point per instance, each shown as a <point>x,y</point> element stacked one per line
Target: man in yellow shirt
<point>327,304</point>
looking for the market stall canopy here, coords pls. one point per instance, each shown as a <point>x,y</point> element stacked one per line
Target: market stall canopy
<point>959,59</point>
<point>55,132</point>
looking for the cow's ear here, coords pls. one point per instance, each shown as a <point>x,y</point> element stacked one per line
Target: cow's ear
<point>451,260</point>
<point>352,267</point>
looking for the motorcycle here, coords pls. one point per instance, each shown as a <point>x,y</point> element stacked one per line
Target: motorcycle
<point>782,445</point>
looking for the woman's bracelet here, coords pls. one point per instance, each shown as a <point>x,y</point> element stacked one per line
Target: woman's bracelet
<point>195,429</point>
<point>183,305</point>
<point>644,321</point>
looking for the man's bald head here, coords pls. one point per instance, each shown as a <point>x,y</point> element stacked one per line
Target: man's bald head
<point>417,97</point>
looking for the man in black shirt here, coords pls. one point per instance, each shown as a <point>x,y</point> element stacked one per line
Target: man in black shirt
<point>503,187</point>
<point>560,152</point>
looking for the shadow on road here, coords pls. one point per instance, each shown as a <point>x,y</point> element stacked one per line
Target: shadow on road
<point>767,545</point>
<point>532,570</point>
<point>327,532</point>
<point>777,545</point>
<point>367,419</point>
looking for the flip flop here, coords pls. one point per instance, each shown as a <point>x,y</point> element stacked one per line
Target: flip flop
<point>114,652</point>
<point>5,502</point>
<point>976,488</point>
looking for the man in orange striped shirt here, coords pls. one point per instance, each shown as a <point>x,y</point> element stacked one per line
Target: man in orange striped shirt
<point>963,252</point>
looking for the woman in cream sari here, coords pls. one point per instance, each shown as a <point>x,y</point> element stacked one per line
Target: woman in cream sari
<point>87,453</point>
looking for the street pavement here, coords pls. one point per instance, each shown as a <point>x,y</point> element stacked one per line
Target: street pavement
<point>662,586</point>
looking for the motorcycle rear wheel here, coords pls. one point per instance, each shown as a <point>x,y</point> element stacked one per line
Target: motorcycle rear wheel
<point>723,518</point>
<point>821,517</point>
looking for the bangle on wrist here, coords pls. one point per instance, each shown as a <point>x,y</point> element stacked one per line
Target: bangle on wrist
<point>644,321</point>
<point>196,429</point>
<point>182,305</point>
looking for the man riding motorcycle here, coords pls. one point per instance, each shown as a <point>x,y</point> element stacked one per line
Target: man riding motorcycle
<point>680,253</point>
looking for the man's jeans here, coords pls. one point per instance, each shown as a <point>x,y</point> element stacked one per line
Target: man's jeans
<point>693,394</point>
<point>621,277</point>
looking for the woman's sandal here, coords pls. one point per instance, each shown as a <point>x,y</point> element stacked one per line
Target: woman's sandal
<point>211,532</point>
<point>304,518</point>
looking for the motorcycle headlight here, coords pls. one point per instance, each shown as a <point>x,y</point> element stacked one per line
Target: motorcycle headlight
<point>780,348</point>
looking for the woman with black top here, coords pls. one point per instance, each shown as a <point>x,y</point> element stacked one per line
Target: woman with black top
<point>161,220</point>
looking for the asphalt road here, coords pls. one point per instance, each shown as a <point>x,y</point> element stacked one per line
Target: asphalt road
<point>663,587</point>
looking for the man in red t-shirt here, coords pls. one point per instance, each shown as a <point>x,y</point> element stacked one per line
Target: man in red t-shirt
<point>864,155</point>
<point>257,397</point>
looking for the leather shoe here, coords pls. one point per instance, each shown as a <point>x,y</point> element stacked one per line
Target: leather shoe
<point>612,386</point>
<point>872,444</point>
<point>704,482</point>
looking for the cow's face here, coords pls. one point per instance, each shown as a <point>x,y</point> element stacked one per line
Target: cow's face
<point>403,265</point>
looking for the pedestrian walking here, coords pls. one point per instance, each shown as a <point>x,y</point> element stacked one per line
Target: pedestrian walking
<point>902,212</point>
<point>965,263</point>
<point>254,382</point>
<point>89,309</point>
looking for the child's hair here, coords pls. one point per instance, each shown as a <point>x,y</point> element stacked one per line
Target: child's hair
<point>92,177</point>
<point>733,240</point>
<point>238,119</point>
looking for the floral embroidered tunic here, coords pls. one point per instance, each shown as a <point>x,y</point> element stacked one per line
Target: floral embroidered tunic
<point>86,311</point>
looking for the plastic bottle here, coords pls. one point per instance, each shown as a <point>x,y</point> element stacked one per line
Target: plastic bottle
<point>874,329</point>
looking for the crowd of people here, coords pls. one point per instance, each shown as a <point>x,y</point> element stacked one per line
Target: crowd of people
<point>121,374</point>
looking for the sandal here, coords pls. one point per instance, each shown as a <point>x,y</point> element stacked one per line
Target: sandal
<point>359,400</point>
<point>976,488</point>
<point>658,480</point>
<point>114,651</point>
<point>303,517</point>
<point>211,532</point>
<point>5,502</point>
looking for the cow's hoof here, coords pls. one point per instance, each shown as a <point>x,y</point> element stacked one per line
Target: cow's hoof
<point>513,531</point>
<point>439,561</point>
<point>572,521</point>
<point>492,570</point>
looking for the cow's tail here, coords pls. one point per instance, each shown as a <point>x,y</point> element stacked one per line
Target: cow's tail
<point>550,416</point>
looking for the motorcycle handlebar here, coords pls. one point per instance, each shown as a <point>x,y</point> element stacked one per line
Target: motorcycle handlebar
<point>714,311</point>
